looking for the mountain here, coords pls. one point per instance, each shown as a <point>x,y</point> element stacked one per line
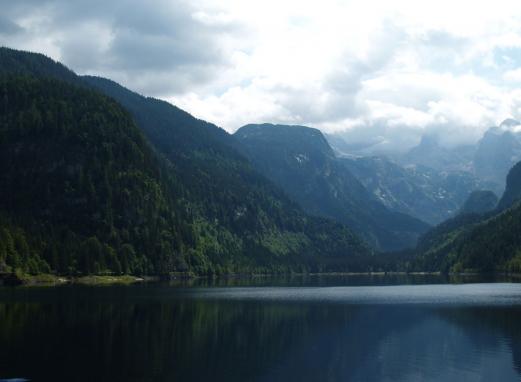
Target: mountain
<point>498,150</point>
<point>430,153</point>
<point>88,180</point>
<point>430,182</point>
<point>81,191</point>
<point>489,242</point>
<point>513,188</point>
<point>488,160</point>
<point>217,175</point>
<point>430,195</point>
<point>301,162</point>
<point>21,63</point>
<point>436,250</point>
<point>479,202</point>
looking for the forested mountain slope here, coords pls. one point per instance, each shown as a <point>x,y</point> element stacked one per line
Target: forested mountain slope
<point>488,242</point>
<point>80,189</point>
<point>209,209</point>
<point>300,160</point>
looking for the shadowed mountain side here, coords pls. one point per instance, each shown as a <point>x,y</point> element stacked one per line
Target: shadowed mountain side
<point>300,160</point>
<point>232,218</point>
<point>427,194</point>
<point>479,202</point>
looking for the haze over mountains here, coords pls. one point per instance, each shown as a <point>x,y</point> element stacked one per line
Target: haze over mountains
<point>425,193</point>
<point>488,160</point>
<point>301,162</point>
<point>97,178</point>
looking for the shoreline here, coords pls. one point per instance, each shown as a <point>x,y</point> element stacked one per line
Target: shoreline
<point>100,280</point>
<point>55,280</point>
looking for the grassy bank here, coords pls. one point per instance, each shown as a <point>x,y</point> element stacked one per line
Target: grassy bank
<point>18,278</point>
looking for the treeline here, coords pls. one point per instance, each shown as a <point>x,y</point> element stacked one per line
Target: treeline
<point>489,242</point>
<point>491,245</point>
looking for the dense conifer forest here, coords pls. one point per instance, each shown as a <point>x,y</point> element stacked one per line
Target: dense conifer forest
<point>89,186</point>
<point>97,179</point>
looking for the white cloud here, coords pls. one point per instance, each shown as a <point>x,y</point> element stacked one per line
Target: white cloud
<point>513,75</point>
<point>386,69</point>
<point>407,65</point>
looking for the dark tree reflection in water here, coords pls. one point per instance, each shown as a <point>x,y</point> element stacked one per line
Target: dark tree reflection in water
<point>161,333</point>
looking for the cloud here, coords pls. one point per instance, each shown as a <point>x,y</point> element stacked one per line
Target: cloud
<point>512,75</point>
<point>8,27</point>
<point>384,72</point>
<point>157,47</point>
<point>387,73</point>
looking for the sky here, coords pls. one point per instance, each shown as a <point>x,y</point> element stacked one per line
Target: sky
<point>377,71</point>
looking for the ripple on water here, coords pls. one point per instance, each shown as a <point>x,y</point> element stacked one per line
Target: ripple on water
<point>493,294</point>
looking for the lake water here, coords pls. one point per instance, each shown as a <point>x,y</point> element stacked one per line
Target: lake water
<point>314,329</point>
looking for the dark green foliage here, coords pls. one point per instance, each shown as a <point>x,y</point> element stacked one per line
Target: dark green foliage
<point>300,160</point>
<point>92,195</point>
<point>21,63</point>
<point>247,213</point>
<point>81,179</point>
<point>16,253</point>
<point>489,242</point>
<point>493,245</point>
<point>489,245</point>
<point>219,179</point>
<point>436,249</point>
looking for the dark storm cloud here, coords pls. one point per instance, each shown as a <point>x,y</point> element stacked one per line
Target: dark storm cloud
<point>147,42</point>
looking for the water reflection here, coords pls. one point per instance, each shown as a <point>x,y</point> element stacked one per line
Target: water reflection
<point>343,280</point>
<point>158,333</point>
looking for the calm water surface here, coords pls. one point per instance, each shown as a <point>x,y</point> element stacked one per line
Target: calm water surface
<point>315,329</point>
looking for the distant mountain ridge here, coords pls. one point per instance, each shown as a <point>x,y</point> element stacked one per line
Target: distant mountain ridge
<point>300,160</point>
<point>489,160</point>
<point>479,202</point>
<point>430,153</point>
<point>418,191</point>
<point>513,188</point>
<point>497,151</point>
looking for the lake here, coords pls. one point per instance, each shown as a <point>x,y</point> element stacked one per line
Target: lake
<point>294,329</point>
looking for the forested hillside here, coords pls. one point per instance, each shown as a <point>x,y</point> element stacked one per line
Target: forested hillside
<point>80,189</point>
<point>85,191</point>
<point>225,187</point>
<point>486,242</point>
